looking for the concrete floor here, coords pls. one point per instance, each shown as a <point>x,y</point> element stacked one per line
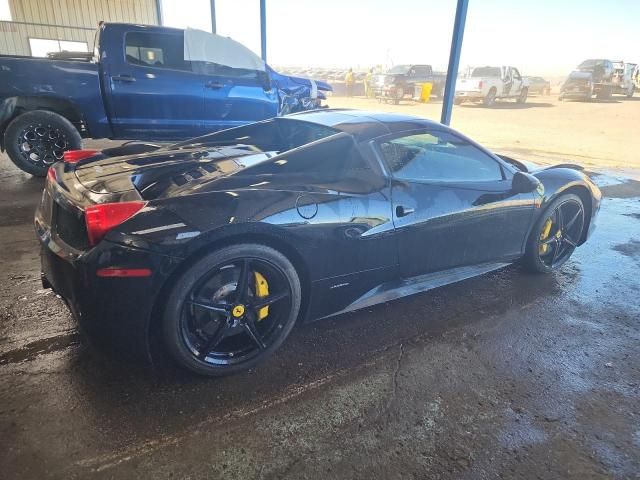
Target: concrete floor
<point>506,375</point>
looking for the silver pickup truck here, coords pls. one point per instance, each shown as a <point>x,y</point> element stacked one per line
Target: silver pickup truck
<point>488,84</point>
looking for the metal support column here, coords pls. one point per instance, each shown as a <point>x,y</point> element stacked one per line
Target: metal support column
<point>263,29</point>
<point>213,15</point>
<point>159,11</point>
<point>454,61</point>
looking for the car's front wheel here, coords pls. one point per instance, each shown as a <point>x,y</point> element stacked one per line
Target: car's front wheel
<point>522,98</point>
<point>231,309</point>
<point>556,234</point>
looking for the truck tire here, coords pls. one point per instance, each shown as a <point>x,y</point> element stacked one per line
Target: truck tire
<point>490,99</point>
<point>34,140</point>
<point>522,98</point>
<point>398,95</point>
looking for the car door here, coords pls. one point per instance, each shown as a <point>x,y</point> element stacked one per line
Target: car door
<point>517,81</point>
<point>452,202</point>
<point>235,96</point>
<point>153,91</point>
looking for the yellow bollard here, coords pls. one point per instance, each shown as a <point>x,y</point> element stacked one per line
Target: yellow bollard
<point>425,95</point>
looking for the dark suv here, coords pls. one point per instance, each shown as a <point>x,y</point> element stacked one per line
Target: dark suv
<point>591,77</point>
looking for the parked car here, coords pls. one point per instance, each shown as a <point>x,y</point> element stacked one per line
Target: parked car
<point>538,85</point>
<point>219,244</point>
<point>591,77</point>
<point>623,78</point>
<point>140,86</point>
<point>401,80</point>
<point>488,84</point>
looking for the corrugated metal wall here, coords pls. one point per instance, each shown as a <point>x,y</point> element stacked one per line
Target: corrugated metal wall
<point>74,20</point>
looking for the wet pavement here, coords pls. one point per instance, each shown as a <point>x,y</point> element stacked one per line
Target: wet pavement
<point>506,375</point>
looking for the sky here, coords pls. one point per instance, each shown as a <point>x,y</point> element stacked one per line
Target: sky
<point>541,37</point>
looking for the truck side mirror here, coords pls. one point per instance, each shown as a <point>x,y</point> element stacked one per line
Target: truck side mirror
<point>265,80</point>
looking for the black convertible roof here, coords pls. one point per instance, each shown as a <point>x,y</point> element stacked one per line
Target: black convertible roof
<point>363,124</point>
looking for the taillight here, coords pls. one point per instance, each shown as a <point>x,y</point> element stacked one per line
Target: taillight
<point>480,85</point>
<point>52,176</point>
<point>74,156</point>
<point>106,216</point>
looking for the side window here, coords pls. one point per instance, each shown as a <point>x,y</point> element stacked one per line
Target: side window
<point>216,69</point>
<point>334,161</point>
<point>159,50</point>
<point>516,74</point>
<point>421,71</point>
<point>438,157</point>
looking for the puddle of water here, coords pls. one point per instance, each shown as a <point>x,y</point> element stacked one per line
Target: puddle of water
<point>40,347</point>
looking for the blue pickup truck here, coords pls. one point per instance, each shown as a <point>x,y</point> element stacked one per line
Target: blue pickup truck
<point>137,84</point>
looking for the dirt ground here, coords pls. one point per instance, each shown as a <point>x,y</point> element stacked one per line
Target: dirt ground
<point>508,375</point>
<point>599,134</point>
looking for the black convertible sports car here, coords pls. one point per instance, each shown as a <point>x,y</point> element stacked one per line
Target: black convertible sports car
<point>219,244</point>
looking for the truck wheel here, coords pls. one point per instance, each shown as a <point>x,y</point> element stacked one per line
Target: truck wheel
<point>37,139</point>
<point>522,98</point>
<point>398,96</point>
<point>490,99</point>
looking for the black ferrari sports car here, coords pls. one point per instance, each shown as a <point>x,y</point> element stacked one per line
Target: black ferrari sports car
<point>218,245</point>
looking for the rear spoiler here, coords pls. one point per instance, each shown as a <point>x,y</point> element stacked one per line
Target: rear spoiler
<point>530,167</point>
<point>130,148</point>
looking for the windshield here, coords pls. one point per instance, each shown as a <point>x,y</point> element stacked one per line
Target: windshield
<point>589,64</point>
<point>486,72</point>
<point>402,69</point>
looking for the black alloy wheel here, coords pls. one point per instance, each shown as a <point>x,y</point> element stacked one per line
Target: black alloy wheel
<point>233,313</point>
<point>36,139</point>
<point>557,234</point>
<point>42,144</point>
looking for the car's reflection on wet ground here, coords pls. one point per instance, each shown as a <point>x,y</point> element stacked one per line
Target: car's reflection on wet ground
<point>508,374</point>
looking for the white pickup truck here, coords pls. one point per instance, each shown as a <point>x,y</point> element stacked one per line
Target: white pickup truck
<point>488,84</point>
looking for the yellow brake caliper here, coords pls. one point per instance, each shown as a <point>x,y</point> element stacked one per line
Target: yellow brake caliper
<point>262,290</point>
<point>544,235</point>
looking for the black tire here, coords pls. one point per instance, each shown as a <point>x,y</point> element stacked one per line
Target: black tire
<point>34,140</point>
<point>522,98</point>
<point>398,96</point>
<point>534,258</point>
<point>176,314</point>
<point>490,99</point>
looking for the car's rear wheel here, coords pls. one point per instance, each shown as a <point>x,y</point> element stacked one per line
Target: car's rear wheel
<point>556,234</point>
<point>490,99</point>
<point>37,139</point>
<point>232,309</point>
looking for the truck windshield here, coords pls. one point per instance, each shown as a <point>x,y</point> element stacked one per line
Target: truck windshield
<point>589,64</point>
<point>486,72</point>
<point>400,69</point>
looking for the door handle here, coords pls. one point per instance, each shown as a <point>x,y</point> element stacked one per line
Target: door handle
<point>214,85</point>
<point>404,211</point>
<point>123,78</point>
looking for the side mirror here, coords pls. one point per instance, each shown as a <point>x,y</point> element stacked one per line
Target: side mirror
<point>524,183</point>
<point>265,80</point>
